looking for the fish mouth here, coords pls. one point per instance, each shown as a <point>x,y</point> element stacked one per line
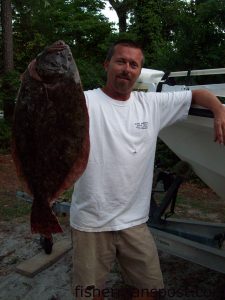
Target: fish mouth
<point>58,70</point>
<point>51,74</point>
<point>52,71</point>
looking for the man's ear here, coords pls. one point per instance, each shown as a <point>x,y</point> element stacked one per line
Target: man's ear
<point>106,64</point>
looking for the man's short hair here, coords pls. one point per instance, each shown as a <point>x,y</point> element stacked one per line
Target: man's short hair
<point>124,42</point>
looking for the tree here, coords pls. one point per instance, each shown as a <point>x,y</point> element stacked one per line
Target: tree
<point>79,23</point>
<point>122,9</point>
<point>146,24</point>
<point>8,88</point>
<point>7,37</point>
<point>181,35</point>
<point>199,41</point>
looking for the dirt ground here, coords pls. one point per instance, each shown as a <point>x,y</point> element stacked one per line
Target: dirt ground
<point>183,280</point>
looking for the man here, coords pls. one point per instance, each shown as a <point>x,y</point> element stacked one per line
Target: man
<point>110,203</point>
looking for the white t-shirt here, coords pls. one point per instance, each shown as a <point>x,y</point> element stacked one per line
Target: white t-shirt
<point>114,191</point>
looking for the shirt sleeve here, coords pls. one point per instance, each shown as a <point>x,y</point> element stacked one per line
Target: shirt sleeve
<point>173,107</point>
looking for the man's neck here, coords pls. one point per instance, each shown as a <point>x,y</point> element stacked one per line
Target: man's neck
<point>116,95</point>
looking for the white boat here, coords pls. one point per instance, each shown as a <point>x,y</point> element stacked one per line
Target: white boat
<point>193,139</point>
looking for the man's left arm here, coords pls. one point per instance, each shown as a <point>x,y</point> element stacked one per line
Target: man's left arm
<point>210,101</point>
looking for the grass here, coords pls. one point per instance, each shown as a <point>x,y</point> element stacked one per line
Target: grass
<point>197,206</point>
<point>198,202</point>
<point>67,195</point>
<point>5,137</point>
<point>11,207</point>
<point>194,200</point>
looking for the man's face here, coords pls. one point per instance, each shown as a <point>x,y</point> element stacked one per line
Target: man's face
<point>123,70</point>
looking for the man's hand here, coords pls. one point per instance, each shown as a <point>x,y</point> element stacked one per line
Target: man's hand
<point>208,100</point>
<point>219,126</point>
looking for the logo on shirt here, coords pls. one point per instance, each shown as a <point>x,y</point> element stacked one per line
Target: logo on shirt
<point>141,125</point>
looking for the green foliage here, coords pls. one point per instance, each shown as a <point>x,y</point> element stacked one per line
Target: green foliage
<point>165,158</point>
<point>79,23</point>
<point>180,35</point>
<point>91,77</point>
<point>9,88</point>
<point>11,208</point>
<point>1,54</point>
<point>175,35</point>
<point>146,24</point>
<point>5,137</point>
<point>67,195</point>
<point>9,85</point>
<point>197,37</point>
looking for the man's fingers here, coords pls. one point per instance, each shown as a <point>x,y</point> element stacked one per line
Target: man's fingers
<point>219,128</point>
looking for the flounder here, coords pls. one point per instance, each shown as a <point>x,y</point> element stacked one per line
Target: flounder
<point>50,143</point>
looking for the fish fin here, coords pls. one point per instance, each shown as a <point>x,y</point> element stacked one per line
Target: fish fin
<point>43,220</point>
<point>18,168</point>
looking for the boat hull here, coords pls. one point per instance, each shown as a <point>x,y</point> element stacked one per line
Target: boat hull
<point>192,141</point>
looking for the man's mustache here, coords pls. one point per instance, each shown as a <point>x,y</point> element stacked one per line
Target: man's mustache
<point>124,76</point>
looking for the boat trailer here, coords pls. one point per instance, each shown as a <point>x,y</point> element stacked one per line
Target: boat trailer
<point>196,241</point>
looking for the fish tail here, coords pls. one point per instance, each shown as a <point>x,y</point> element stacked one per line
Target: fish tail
<point>43,220</point>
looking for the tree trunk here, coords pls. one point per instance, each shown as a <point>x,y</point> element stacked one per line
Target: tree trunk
<point>6,18</point>
<point>122,8</point>
<point>122,21</point>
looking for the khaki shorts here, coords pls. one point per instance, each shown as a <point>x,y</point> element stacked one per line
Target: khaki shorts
<point>94,254</point>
